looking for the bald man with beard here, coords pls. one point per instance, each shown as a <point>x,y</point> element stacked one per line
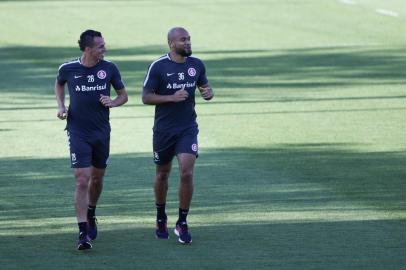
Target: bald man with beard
<point>170,85</point>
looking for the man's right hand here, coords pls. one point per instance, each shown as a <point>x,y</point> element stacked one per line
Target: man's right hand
<point>180,95</point>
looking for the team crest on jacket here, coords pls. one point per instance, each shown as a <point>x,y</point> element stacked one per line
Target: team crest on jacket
<point>191,71</point>
<point>101,74</point>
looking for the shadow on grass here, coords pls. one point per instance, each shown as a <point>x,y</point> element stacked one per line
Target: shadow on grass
<point>33,69</point>
<point>285,178</point>
<point>270,192</point>
<point>288,177</point>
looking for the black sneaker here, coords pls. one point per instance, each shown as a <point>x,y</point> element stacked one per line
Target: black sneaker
<point>92,228</point>
<point>182,231</point>
<point>84,241</point>
<point>161,231</point>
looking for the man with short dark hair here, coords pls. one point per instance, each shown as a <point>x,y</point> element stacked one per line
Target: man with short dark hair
<point>89,79</point>
<point>170,85</point>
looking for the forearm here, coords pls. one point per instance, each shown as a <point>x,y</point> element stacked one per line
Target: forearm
<point>206,91</point>
<point>121,98</point>
<point>154,99</point>
<point>60,95</point>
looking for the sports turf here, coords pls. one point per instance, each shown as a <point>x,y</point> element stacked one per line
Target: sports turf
<point>302,150</point>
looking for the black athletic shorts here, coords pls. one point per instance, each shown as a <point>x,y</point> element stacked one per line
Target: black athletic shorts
<point>88,151</point>
<point>166,145</point>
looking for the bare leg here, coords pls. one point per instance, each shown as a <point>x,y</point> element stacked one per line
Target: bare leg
<point>186,166</point>
<point>161,182</point>
<point>96,185</point>
<point>82,176</point>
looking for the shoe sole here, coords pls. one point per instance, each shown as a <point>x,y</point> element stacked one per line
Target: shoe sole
<point>84,246</point>
<point>180,240</point>
<point>164,238</point>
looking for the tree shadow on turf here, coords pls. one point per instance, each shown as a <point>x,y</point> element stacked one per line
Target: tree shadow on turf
<point>267,193</point>
<point>33,69</point>
<point>288,177</point>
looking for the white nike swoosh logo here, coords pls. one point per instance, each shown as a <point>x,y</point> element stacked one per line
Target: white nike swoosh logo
<point>169,74</point>
<point>73,163</point>
<point>77,77</point>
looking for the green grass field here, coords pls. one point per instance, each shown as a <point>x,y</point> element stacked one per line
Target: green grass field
<point>303,152</point>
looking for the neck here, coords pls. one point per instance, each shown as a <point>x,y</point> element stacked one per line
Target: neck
<point>88,61</point>
<point>177,58</point>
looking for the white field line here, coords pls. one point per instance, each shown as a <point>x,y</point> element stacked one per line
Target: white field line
<point>381,11</point>
<point>387,12</point>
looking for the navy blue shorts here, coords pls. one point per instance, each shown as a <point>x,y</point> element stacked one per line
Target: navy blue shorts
<point>166,145</point>
<point>89,151</point>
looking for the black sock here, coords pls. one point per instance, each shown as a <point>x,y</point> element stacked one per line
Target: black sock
<point>182,215</point>
<point>82,227</point>
<point>160,211</point>
<point>91,211</point>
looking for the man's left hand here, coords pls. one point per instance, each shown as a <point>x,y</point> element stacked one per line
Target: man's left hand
<point>106,101</point>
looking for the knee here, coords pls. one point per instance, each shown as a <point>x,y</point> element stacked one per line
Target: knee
<point>82,182</point>
<point>162,176</point>
<point>186,175</point>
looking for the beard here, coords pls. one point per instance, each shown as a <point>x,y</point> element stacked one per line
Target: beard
<point>184,53</point>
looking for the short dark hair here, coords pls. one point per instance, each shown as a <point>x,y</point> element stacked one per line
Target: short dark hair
<point>86,39</point>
